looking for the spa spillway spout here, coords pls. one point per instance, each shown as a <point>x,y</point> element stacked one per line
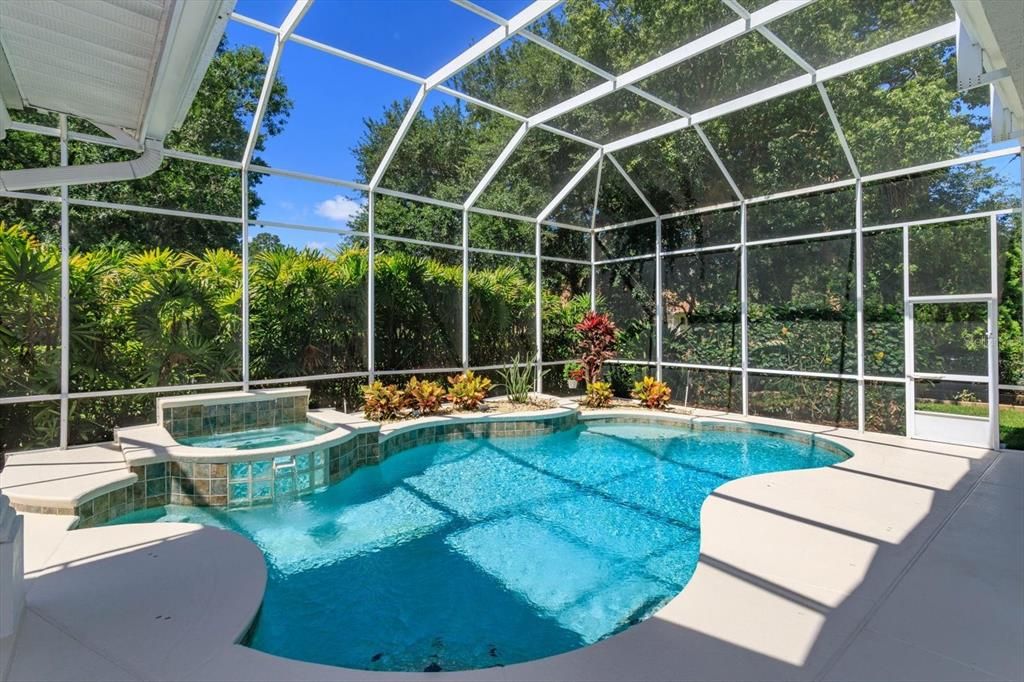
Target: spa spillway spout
<point>284,467</point>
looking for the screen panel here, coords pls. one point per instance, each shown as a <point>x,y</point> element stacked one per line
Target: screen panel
<point>701,303</point>
<point>803,306</point>
<point>307,303</point>
<point>626,292</point>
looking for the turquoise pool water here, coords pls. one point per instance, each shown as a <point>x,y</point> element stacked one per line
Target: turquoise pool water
<point>271,436</point>
<point>475,553</point>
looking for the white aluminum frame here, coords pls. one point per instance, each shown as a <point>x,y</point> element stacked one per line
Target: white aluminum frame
<point>758,21</point>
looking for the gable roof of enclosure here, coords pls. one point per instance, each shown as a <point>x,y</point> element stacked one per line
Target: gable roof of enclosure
<point>792,37</point>
<point>808,67</point>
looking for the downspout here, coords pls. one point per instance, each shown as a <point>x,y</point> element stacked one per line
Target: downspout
<point>33,178</point>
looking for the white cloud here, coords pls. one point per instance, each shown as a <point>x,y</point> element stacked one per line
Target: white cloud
<point>340,208</point>
<point>316,246</point>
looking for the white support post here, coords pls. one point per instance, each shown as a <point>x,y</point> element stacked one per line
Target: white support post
<point>908,336</point>
<point>465,290</point>
<point>593,272</point>
<point>993,334</point>
<point>744,337</point>
<point>659,307</point>
<point>859,246</point>
<point>65,293</point>
<point>538,309</point>
<point>371,276</point>
<point>245,280</point>
<point>593,237</point>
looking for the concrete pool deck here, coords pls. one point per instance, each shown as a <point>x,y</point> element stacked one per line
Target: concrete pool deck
<point>901,563</point>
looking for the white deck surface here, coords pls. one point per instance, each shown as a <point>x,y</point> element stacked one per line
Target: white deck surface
<point>64,478</point>
<point>903,563</point>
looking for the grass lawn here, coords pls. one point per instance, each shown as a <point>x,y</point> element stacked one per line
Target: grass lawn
<point>1011,421</point>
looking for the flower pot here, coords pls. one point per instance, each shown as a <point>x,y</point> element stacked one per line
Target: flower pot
<point>573,383</point>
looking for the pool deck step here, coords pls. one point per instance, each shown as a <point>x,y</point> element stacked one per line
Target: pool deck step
<point>61,480</point>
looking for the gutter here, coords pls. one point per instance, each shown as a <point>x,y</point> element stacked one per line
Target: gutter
<point>33,178</point>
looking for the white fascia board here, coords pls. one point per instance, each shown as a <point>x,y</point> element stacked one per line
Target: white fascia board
<point>190,43</point>
<point>822,75</point>
<point>492,40</point>
<point>706,42</point>
<point>569,186</point>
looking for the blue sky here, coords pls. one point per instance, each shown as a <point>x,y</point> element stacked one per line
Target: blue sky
<point>332,96</point>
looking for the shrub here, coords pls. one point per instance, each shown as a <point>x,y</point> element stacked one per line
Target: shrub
<point>652,393</point>
<point>424,396</point>
<point>599,394</point>
<point>597,343</point>
<point>466,391</point>
<point>382,402</point>
<point>518,378</point>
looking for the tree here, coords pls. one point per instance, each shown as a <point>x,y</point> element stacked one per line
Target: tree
<point>264,241</point>
<point>216,125</point>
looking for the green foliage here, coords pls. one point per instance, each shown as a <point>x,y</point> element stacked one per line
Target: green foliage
<point>573,371</point>
<point>518,378</point>
<point>382,402</point>
<point>216,125</point>
<point>161,317</point>
<point>424,397</point>
<point>599,394</point>
<point>652,393</point>
<point>467,390</point>
<point>29,323</point>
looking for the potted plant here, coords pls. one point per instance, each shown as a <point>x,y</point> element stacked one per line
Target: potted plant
<point>573,374</point>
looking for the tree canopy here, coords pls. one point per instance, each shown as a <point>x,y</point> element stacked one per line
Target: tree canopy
<point>217,125</point>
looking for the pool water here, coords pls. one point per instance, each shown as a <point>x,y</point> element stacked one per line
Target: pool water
<point>476,553</point>
<point>271,436</point>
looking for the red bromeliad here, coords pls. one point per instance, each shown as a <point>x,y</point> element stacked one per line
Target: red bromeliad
<point>597,343</point>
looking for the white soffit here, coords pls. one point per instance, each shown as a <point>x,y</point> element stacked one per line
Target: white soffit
<point>132,64</point>
<point>998,28</point>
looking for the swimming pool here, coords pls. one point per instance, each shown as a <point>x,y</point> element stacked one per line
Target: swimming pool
<point>484,552</point>
<point>271,436</point>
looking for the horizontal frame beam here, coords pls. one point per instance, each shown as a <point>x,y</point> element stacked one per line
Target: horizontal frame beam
<point>792,85</point>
